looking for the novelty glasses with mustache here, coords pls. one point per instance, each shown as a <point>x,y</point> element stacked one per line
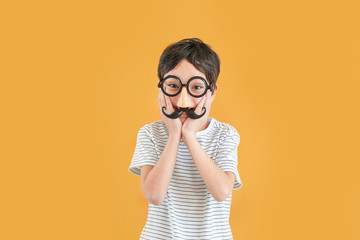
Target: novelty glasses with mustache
<point>171,86</point>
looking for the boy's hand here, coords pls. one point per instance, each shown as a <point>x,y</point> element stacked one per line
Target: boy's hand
<point>192,126</point>
<point>173,125</point>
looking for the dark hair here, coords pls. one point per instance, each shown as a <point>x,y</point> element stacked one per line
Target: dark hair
<point>197,53</point>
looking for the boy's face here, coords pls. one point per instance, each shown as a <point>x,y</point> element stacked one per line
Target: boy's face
<point>185,70</point>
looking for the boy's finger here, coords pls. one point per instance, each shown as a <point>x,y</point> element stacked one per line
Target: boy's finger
<point>205,102</point>
<point>162,102</point>
<point>160,99</point>
<point>200,106</point>
<point>165,101</point>
<point>168,104</point>
<point>208,99</point>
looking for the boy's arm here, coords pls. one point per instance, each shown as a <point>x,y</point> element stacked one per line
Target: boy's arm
<point>155,180</point>
<point>219,183</point>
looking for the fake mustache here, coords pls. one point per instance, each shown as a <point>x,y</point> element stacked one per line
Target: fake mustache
<point>178,111</point>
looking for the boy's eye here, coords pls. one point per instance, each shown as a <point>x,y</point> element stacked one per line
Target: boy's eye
<point>198,87</point>
<point>172,85</point>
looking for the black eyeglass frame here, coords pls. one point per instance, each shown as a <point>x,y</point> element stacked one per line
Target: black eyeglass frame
<point>161,85</point>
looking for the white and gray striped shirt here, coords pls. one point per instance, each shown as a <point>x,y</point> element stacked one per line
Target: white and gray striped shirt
<point>188,211</point>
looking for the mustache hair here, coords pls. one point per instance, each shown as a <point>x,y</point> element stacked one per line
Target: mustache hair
<point>178,111</point>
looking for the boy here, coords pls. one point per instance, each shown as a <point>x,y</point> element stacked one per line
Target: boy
<point>187,161</point>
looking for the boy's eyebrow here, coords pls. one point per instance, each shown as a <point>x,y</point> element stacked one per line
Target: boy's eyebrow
<point>188,79</point>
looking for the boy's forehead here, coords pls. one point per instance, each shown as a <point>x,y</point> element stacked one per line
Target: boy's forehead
<point>185,70</point>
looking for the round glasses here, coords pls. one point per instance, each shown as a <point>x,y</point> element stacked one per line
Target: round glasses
<point>171,86</point>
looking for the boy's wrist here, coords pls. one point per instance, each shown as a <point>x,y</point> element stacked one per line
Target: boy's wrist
<point>188,135</point>
<point>175,135</point>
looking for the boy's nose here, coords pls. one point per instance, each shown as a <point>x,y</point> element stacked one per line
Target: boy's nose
<point>184,99</point>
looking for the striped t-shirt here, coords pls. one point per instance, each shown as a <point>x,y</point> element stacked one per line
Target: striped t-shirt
<point>188,210</point>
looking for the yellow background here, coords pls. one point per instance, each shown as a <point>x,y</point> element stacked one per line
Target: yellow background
<point>78,80</point>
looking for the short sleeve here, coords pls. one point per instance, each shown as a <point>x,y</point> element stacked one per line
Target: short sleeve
<point>227,157</point>
<point>145,152</point>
